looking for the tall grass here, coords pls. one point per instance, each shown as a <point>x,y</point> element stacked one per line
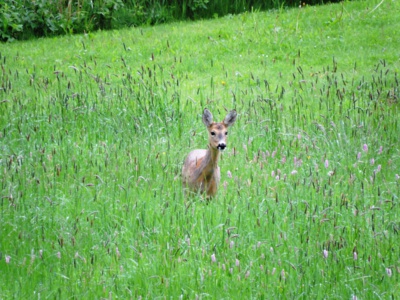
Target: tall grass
<point>94,129</point>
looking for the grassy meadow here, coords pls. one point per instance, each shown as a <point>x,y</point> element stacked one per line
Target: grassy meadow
<point>94,129</point>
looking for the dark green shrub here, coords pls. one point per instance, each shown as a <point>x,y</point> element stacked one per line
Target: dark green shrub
<point>10,20</point>
<point>22,19</point>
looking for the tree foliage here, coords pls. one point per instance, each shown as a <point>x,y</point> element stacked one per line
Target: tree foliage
<point>22,19</point>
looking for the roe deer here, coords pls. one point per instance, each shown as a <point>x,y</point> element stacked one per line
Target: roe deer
<point>200,171</point>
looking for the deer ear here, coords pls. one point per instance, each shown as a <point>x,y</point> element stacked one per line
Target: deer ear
<point>207,117</point>
<point>230,118</point>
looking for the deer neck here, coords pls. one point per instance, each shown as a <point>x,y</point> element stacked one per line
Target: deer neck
<point>210,161</point>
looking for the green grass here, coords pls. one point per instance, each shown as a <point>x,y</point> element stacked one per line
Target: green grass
<point>94,129</point>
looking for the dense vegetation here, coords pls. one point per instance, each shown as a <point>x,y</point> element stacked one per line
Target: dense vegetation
<point>22,19</point>
<point>94,129</point>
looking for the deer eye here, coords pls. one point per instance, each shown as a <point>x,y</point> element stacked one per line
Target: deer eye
<point>226,132</point>
<point>212,133</point>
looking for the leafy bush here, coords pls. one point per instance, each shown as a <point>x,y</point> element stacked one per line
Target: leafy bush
<point>11,23</point>
<point>22,19</point>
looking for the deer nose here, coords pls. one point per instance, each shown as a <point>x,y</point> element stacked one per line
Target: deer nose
<point>221,146</point>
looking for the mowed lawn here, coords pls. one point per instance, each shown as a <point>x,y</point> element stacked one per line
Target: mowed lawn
<point>94,129</point>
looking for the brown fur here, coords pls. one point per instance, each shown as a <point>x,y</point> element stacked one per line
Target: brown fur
<point>200,171</point>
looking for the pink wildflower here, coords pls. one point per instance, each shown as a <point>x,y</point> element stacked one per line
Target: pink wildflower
<point>117,252</point>
<point>247,274</point>
<point>237,263</point>
<point>213,258</point>
<point>389,272</point>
